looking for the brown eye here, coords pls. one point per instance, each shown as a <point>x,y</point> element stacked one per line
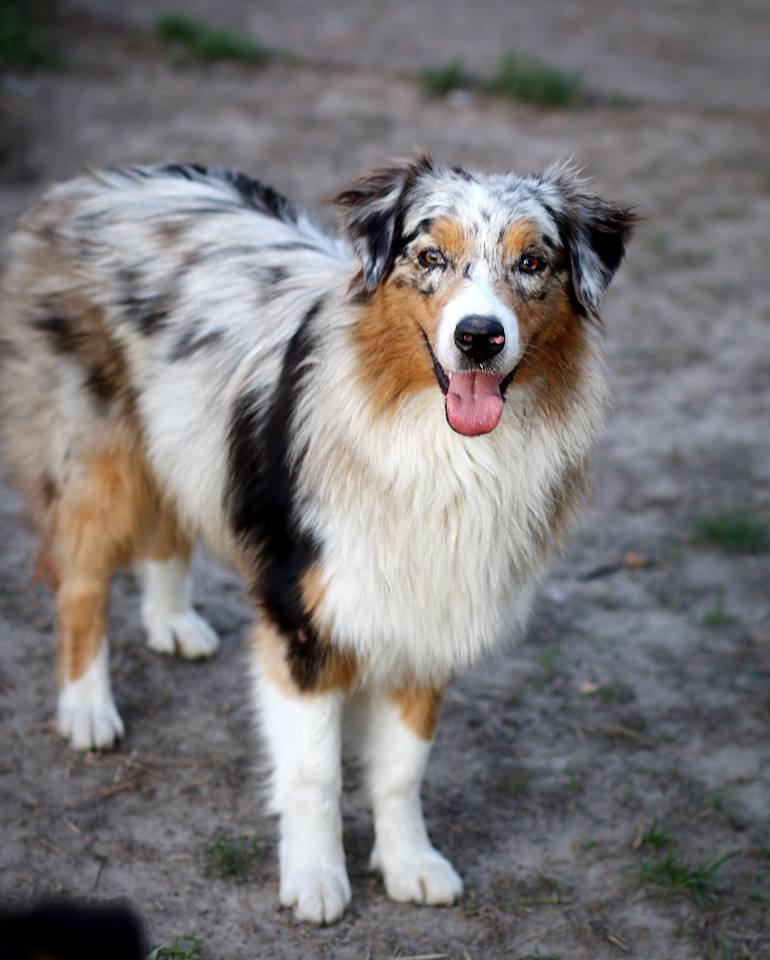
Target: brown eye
<point>431,258</point>
<point>529,263</point>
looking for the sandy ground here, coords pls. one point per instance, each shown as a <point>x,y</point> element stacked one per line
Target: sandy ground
<point>539,785</point>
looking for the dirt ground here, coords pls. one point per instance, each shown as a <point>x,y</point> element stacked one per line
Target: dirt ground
<point>629,727</point>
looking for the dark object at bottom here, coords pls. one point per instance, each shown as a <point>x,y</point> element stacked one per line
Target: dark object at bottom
<point>64,930</point>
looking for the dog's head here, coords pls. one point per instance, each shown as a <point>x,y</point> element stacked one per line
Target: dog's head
<point>481,269</point>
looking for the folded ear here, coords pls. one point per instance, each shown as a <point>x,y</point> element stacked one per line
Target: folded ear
<point>375,206</point>
<point>594,232</point>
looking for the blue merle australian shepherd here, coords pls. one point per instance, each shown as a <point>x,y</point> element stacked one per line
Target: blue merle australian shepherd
<point>386,435</point>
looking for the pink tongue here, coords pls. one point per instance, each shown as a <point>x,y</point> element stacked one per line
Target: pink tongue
<point>474,404</point>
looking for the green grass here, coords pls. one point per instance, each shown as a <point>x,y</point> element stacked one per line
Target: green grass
<point>208,44</point>
<point>657,837</point>
<point>25,41</point>
<point>548,663</point>
<point>611,693</point>
<point>517,784</point>
<point>439,81</point>
<point>183,948</point>
<point>529,79</point>
<point>543,891</point>
<point>716,615</point>
<point>226,859</point>
<point>676,876</point>
<point>736,530</point>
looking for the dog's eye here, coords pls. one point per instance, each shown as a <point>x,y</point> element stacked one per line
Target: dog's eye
<point>431,258</point>
<point>530,263</point>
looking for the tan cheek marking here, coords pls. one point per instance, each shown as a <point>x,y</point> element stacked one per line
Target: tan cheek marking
<point>393,359</point>
<point>394,362</point>
<point>555,344</point>
<point>419,708</point>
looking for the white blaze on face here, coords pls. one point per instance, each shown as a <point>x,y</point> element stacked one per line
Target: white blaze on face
<point>474,402</point>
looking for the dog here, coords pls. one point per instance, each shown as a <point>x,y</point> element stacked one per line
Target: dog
<point>387,435</point>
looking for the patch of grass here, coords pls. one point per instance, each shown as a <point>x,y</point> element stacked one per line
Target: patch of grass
<point>547,662</point>
<point>716,615</point>
<point>528,79</point>
<point>736,530</point>
<point>227,859</point>
<point>676,876</point>
<point>183,948</point>
<point>517,784</point>
<point>439,81</point>
<point>25,41</point>
<point>208,44</point>
<point>656,837</point>
<point>611,693</point>
<point>715,800</point>
<point>542,891</point>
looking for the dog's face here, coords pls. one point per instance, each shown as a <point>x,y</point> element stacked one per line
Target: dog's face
<point>478,271</point>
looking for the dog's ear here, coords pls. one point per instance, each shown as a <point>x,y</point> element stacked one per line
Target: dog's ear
<point>374,213</point>
<point>593,231</point>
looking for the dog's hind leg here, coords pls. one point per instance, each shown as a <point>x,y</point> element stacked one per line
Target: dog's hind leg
<point>397,733</point>
<point>167,612</point>
<point>95,519</point>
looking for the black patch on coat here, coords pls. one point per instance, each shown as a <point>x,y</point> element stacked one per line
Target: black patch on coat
<point>99,385</point>
<point>192,341</point>
<point>275,275</point>
<point>252,193</point>
<point>148,313</point>
<point>270,281</point>
<point>306,656</point>
<point>61,336</point>
<point>261,503</point>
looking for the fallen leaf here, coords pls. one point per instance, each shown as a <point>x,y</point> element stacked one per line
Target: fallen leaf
<point>636,560</point>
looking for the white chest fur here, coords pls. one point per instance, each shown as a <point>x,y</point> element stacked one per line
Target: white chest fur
<point>432,543</point>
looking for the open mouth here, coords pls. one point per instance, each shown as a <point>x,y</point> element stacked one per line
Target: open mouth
<point>474,399</point>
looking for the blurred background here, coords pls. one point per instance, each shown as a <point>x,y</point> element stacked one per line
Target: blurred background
<point>603,787</point>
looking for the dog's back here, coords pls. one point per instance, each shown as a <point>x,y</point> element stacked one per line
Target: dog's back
<point>116,278</point>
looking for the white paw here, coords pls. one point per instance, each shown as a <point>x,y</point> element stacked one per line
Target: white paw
<point>422,876</point>
<point>88,726</point>
<point>86,712</point>
<point>317,894</point>
<point>188,632</point>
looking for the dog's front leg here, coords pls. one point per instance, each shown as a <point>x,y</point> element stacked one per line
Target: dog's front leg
<point>398,733</point>
<point>302,731</point>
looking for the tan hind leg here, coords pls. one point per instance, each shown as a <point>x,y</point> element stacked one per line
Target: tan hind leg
<point>167,612</point>
<point>97,521</point>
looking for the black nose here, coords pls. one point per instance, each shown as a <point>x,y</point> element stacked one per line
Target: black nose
<point>479,338</point>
